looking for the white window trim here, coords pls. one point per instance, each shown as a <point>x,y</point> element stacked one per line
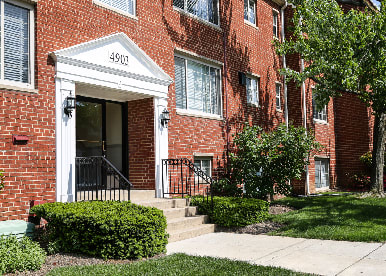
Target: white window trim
<point>281,86</point>
<point>15,85</point>
<point>257,78</point>
<point>328,178</point>
<point>106,6</point>
<point>185,12</point>
<point>275,12</point>
<point>206,158</point>
<point>251,24</point>
<point>317,120</point>
<point>196,113</point>
<point>246,20</point>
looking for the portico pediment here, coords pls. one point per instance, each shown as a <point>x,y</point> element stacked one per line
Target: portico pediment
<point>114,61</point>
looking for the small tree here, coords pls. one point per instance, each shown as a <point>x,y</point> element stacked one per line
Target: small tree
<point>265,162</point>
<point>343,52</point>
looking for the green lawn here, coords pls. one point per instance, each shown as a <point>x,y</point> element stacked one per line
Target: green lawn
<point>177,264</point>
<point>346,218</point>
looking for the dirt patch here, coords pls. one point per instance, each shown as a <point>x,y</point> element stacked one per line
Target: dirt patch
<point>279,209</point>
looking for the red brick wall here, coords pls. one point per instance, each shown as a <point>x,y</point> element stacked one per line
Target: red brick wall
<point>157,30</point>
<point>141,144</point>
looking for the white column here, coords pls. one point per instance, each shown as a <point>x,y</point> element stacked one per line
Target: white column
<point>161,144</point>
<point>65,144</point>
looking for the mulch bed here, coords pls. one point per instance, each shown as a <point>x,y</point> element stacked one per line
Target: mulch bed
<point>262,227</point>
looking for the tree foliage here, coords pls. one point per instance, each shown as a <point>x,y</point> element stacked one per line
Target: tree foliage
<point>265,162</point>
<point>343,52</point>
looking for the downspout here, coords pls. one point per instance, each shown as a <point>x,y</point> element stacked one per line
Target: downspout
<point>226,102</point>
<point>305,123</point>
<point>305,119</point>
<point>284,64</point>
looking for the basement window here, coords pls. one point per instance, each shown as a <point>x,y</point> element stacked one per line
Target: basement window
<point>204,163</point>
<point>321,173</point>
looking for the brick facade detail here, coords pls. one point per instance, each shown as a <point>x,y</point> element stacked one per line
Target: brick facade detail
<point>160,31</point>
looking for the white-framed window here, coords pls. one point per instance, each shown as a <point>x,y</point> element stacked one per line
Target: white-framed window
<point>204,163</point>
<point>197,86</point>
<point>275,16</point>
<point>252,87</point>
<point>17,44</point>
<point>125,6</point>
<point>278,96</point>
<point>204,9</point>
<point>319,114</point>
<point>321,173</point>
<point>250,11</point>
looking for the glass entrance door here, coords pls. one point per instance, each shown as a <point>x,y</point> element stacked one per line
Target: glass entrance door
<point>89,129</point>
<point>100,130</point>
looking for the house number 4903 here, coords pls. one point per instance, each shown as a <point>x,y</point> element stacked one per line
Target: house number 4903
<point>119,58</point>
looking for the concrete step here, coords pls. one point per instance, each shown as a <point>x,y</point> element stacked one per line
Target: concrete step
<point>185,223</point>
<point>142,195</point>
<point>173,213</point>
<point>162,203</point>
<point>191,233</point>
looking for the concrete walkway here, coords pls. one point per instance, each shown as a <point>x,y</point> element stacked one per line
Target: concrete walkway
<point>322,257</point>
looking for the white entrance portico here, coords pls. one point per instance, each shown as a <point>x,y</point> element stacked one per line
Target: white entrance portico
<point>110,68</point>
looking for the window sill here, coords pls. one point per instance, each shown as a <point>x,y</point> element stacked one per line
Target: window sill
<point>214,26</point>
<point>103,5</point>
<point>253,105</point>
<point>18,88</point>
<point>320,122</point>
<point>250,24</point>
<point>185,112</point>
<point>323,189</point>
<point>279,110</point>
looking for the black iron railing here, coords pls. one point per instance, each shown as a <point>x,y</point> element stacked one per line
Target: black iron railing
<point>180,177</point>
<point>97,179</point>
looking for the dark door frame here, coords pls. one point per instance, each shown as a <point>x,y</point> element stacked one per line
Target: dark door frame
<point>125,121</point>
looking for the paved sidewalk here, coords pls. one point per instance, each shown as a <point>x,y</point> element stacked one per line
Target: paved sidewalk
<point>322,257</point>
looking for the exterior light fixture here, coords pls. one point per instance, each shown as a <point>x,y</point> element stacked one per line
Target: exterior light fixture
<point>165,118</point>
<point>70,105</point>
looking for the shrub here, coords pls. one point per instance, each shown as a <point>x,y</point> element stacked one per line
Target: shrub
<point>233,211</point>
<point>107,229</point>
<point>20,254</point>
<point>2,177</point>
<point>266,161</point>
<point>225,187</point>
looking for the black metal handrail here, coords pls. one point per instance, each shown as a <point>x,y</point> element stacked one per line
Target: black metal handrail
<point>184,178</point>
<point>96,178</point>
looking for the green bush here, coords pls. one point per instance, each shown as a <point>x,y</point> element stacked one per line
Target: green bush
<point>107,229</point>
<point>2,177</point>
<point>265,162</point>
<point>232,211</point>
<point>20,254</point>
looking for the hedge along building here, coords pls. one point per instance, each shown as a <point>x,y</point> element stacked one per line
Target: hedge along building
<point>210,63</point>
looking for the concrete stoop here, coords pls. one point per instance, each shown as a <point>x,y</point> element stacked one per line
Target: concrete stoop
<point>182,219</point>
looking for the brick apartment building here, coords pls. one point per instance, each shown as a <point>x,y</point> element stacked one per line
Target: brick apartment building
<point>210,63</point>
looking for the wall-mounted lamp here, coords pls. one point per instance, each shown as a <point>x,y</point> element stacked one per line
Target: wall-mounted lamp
<point>165,118</point>
<point>70,105</point>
